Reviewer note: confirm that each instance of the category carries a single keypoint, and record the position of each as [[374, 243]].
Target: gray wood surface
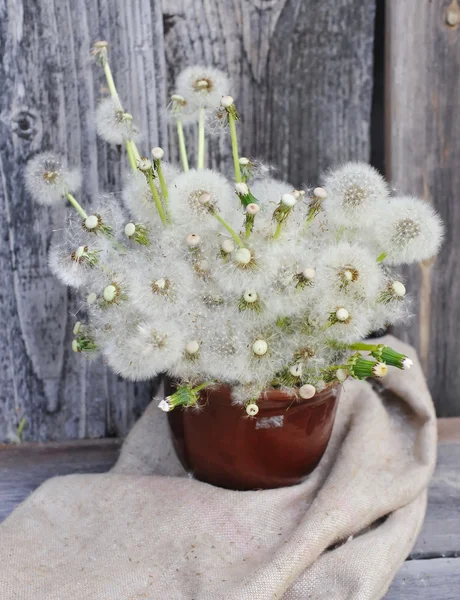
[[303, 82], [433, 573], [423, 157]]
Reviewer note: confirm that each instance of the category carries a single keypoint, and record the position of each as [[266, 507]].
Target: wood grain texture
[[49, 92], [423, 157], [301, 71], [303, 82], [437, 579]]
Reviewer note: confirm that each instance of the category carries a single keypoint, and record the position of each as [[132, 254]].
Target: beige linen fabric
[[146, 530]]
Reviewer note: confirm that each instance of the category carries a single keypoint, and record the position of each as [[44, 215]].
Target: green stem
[[76, 205], [382, 257], [182, 148], [131, 157], [231, 231], [278, 230], [111, 83], [164, 189], [200, 160], [234, 138], [247, 231], [364, 347], [157, 199], [200, 387]]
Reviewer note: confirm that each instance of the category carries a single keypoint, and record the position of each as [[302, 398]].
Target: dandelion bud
[[243, 161], [110, 293], [252, 409], [164, 405], [320, 193], [342, 375], [406, 363], [380, 370], [342, 314], [192, 347], [288, 200], [242, 188], [296, 370], [391, 357], [76, 328], [227, 101], [252, 209], [91, 298], [309, 273], [399, 289], [250, 296], [157, 153], [227, 246], [92, 222], [193, 240], [360, 367], [243, 256], [130, 229], [178, 98], [76, 346], [260, 347], [307, 391]]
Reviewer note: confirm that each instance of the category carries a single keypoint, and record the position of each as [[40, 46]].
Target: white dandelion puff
[[202, 86], [47, 179], [113, 124]]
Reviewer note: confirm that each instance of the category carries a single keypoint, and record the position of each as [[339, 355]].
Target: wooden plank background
[[423, 158], [302, 73]]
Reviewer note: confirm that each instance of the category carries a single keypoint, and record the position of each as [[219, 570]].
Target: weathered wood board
[[423, 158], [303, 81]]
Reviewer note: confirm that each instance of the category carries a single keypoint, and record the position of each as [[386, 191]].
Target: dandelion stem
[[182, 148], [234, 139], [382, 257], [156, 198], [131, 157], [76, 205], [164, 188], [278, 230], [200, 161], [200, 387], [231, 231], [364, 347], [247, 231], [111, 83]]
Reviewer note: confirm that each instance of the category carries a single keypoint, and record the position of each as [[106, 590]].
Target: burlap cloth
[[147, 530]]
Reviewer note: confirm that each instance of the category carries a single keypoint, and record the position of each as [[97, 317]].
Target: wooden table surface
[[431, 572]]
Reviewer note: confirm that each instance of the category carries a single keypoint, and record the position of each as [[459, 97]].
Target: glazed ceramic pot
[[279, 447]]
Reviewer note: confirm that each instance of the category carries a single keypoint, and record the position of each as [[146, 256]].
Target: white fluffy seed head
[[91, 298], [296, 370], [193, 240], [320, 193], [252, 409], [399, 289], [309, 273], [227, 246], [130, 229], [307, 391], [288, 200], [157, 153], [260, 347], [91, 222], [252, 209], [110, 293], [227, 101], [342, 375], [192, 347], [250, 296], [241, 188], [342, 314], [243, 256]]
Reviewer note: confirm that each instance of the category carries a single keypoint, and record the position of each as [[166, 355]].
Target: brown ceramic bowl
[[220, 445]]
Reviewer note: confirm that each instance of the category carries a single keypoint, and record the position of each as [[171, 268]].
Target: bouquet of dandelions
[[252, 283]]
